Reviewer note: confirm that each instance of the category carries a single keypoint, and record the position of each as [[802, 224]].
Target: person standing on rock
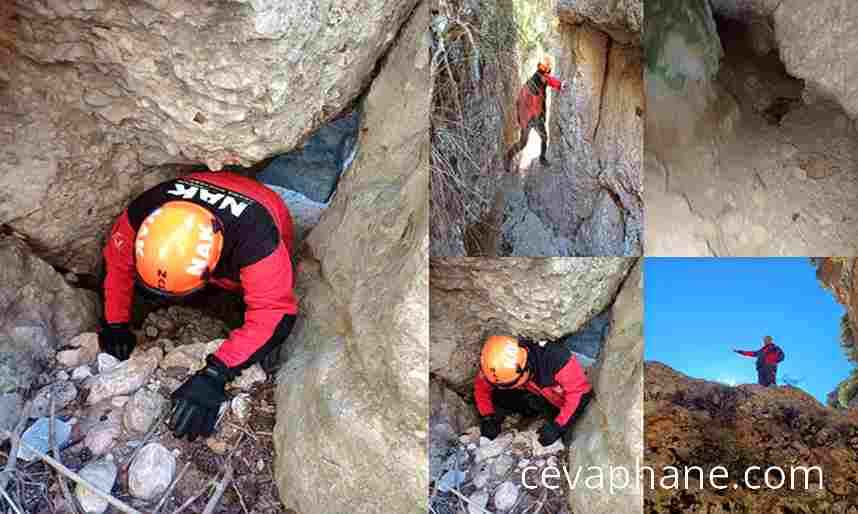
[[768, 357], [206, 228], [519, 376], [530, 107]]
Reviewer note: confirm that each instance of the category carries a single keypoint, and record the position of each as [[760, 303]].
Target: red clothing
[[258, 239], [768, 352], [570, 385], [531, 98]]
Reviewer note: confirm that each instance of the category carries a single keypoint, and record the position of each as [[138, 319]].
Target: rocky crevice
[[543, 300]]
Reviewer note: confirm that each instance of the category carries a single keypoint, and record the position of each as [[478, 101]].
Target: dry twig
[[12, 462], [170, 489], [52, 440], [75, 477], [221, 488]]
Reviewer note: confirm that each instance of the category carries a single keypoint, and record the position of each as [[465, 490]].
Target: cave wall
[[352, 396], [610, 433], [596, 131], [95, 93]]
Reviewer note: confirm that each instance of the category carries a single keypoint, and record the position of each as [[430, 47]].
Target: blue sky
[[697, 310]]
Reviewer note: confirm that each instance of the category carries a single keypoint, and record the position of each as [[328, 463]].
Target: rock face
[[595, 196], [840, 276], [611, 431], [621, 19], [743, 143], [39, 312], [707, 424], [828, 64], [95, 92], [537, 298], [353, 392]]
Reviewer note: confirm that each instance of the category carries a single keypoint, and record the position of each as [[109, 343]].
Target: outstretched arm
[[553, 82], [747, 353], [119, 280]]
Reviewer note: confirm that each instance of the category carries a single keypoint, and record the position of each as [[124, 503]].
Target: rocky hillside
[[691, 422], [543, 299]]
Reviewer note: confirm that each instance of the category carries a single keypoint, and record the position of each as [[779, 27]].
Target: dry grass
[[474, 75]]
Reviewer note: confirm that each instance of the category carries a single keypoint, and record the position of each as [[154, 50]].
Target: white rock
[[479, 500], [63, 392], [85, 351], [190, 356], [102, 437], [119, 401], [101, 474], [151, 472], [506, 495], [552, 461], [494, 448], [125, 378], [502, 465], [106, 362], [249, 378], [241, 406], [142, 410], [81, 373], [539, 450], [62, 375]]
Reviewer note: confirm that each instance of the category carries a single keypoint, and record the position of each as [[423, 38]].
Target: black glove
[[550, 433], [490, 426], [197, 402], [117, 340]]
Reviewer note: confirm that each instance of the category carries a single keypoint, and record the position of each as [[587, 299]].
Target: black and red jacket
[[769, 355], [532, 97], [555, 374], [257, 245]]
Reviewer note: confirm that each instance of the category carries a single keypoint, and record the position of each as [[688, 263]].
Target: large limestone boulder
[[611, 431], [353, 392], [538, 298], [93, 93], [39, 312]]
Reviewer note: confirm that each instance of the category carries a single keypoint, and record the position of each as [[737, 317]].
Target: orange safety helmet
[[177, 247], [545, 65], [504, 362]]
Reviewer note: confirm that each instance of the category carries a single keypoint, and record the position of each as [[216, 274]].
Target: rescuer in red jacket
[[174, 239], [768, 357], [530, 108], [519, 376]]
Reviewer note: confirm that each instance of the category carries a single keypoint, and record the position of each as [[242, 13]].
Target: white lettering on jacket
[[220, 200]]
